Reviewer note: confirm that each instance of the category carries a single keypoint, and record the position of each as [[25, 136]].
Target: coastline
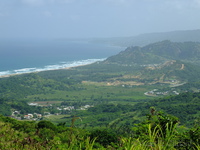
[[59, 66], [66, 68]]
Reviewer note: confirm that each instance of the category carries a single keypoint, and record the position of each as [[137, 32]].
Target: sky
[[95, 18]]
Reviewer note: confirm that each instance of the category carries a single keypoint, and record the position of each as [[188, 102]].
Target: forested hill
[[158, 53]]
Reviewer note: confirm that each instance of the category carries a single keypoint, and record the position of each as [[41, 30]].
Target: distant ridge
[[147, 38]]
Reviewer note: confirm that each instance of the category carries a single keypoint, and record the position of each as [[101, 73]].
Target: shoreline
[[66, 68], [59, 66]]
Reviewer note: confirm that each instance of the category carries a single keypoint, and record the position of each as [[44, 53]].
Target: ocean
[[29, 55]]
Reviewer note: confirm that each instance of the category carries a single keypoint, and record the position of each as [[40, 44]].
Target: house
[[26, 117], [29, 116], [33, 104]]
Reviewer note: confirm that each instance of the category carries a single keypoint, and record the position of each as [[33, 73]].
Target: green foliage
[[190, 139], [5, 109], [46, 124], [185, 106], [158, 131], [105, 137], [16, 87], [111, 108]]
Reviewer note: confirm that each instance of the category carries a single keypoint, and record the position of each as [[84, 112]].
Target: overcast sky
[[95, 18]]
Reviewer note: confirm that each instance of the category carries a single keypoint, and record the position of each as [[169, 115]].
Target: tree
[[46, 124], [104, 137]]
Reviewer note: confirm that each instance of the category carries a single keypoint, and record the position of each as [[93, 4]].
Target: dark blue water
[[22, 55]]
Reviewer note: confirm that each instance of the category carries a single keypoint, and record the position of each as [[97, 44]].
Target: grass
[[93, 92]]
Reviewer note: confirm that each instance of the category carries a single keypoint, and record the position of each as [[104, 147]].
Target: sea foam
[[61, 65]]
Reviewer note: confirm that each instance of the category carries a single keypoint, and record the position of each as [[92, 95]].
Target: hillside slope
[[158, 53]]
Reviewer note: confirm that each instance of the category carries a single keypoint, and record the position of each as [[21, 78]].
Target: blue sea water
[[30, 55]]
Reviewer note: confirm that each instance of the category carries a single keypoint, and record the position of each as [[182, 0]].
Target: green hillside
[[158, 53], [171, 71], [133, 56]]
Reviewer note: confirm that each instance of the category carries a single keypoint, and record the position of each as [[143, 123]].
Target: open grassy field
[[91, 92]]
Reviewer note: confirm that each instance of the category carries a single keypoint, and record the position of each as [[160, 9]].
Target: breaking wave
[[61, 65]]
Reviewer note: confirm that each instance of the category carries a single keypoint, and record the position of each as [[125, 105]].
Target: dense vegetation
[[184, 106], [157, 131]]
